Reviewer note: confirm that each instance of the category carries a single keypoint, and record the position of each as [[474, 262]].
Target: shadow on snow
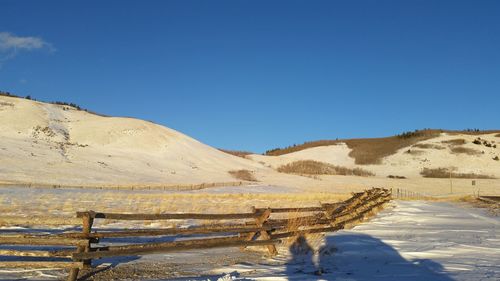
[[357, 257]]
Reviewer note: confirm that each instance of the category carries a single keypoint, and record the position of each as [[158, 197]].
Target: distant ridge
[[373, 150]]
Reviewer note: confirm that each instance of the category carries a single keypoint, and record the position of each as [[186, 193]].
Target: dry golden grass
[[310, 167], [245, 175], [465, 150], [497, 135], [445, 173], [454, 141], [66, 204]]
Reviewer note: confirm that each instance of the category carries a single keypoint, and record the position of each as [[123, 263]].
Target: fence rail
[[490, 199], [263, 227]]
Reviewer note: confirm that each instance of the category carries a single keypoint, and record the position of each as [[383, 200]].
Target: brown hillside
[[372, 150]]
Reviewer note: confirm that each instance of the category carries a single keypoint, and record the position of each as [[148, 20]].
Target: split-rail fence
[[265, 227]]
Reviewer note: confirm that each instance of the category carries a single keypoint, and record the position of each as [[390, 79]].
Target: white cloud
[[11, 45], [9, 41]]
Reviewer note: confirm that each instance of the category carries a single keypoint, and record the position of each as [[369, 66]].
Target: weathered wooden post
[[88, 221], [260, 221]]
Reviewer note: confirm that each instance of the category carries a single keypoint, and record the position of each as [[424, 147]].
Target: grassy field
[[65, 203]]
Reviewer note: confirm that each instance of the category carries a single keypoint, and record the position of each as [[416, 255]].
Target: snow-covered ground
[[411, 240], [415, 240]]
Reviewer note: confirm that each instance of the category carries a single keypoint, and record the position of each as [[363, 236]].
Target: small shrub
[[7, 94], [496, 158], [465, 150], [6, 104], [445, 173], [245, 175], [477, 141], [471, 130], [454, 141], [310, 167], [74, 105], [414, 152], [411, 134], [497, 135], [396, 177]]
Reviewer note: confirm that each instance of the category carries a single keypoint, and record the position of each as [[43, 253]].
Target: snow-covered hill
[[42, 143], [462, 153], [57, 144]]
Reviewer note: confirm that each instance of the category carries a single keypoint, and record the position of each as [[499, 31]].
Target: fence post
[[328, 210], [260, 221], [88, 221], [73, 273]]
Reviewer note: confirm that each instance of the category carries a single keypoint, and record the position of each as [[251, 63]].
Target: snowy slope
[[408, 161], [46, 143]]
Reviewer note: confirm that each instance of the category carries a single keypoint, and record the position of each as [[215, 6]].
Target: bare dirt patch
[[455, 142], [465, 150], [187, 266], [429, 146]]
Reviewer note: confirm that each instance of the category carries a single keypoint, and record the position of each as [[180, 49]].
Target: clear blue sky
[[255, 75]]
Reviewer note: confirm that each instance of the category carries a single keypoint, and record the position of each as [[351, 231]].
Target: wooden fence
[[491, 199], [265, 227], [401, 193]]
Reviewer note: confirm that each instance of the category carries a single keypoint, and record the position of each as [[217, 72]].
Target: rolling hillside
[[465, 154], [49, 144], [58, 144]]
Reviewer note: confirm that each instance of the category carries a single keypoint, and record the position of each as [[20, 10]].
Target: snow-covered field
[[415, 240], [410, 240]]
